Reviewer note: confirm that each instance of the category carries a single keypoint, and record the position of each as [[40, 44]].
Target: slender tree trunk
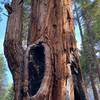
[[12, 47], [40, 72], [91, 56], [93, 87]]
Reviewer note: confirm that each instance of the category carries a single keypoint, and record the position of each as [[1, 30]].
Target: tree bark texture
[[51, 44], [12, 47]]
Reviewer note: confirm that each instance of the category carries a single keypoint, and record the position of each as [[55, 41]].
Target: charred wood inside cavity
[[36, 68], [76, 74], [68, 16]]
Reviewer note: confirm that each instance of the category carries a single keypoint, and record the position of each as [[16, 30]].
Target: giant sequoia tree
[[42, 71]]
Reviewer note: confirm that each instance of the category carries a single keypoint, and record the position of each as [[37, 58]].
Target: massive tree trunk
[[41, 72]]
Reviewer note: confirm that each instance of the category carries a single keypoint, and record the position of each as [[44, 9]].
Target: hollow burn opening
[[68, 15], [36, 68], [76, 74]]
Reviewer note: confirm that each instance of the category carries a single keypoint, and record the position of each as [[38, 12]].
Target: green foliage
[[95, 14], [28, 2], [93, 11], [5, 93], [8, 94], [1, 66], [84, 66], [1, 75]]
